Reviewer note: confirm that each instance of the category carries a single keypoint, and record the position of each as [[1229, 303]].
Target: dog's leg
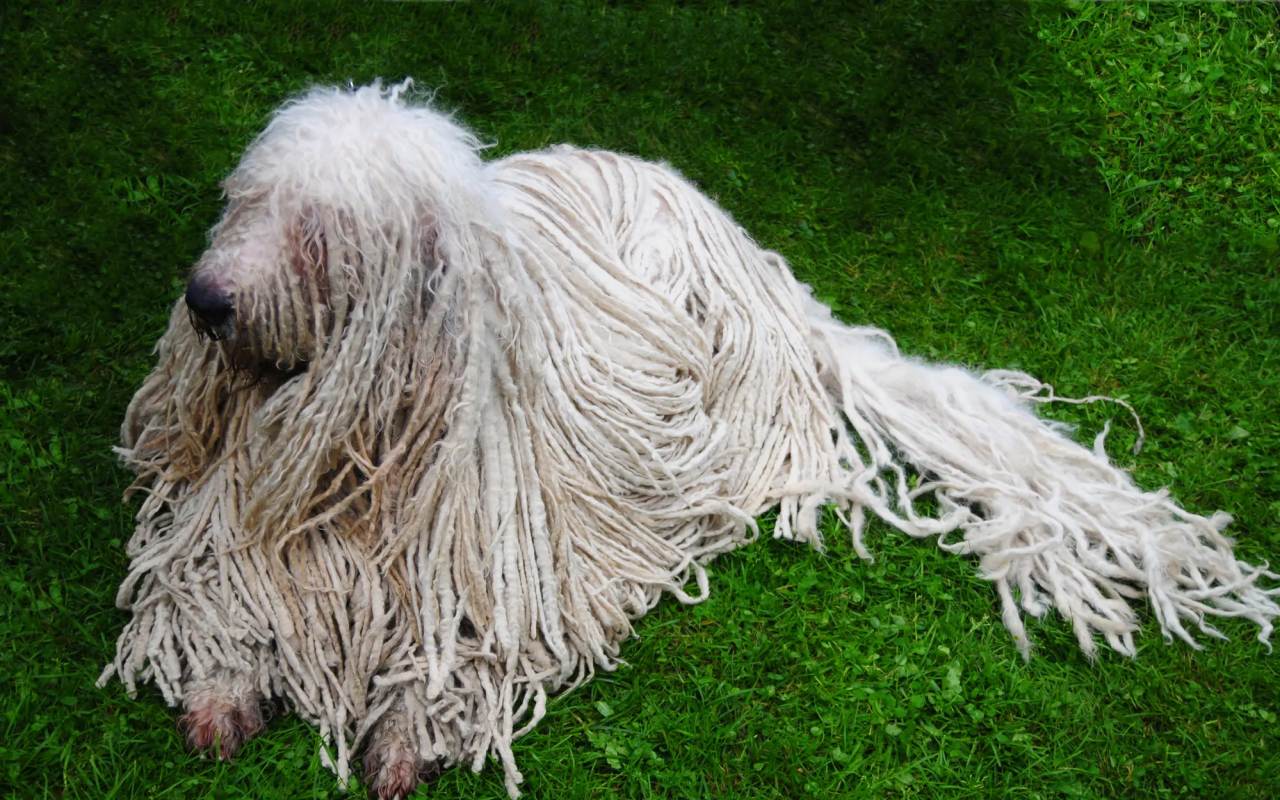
[[392, 766], [222, 713]]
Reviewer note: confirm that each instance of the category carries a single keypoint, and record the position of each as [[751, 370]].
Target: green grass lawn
[[1086, 192]]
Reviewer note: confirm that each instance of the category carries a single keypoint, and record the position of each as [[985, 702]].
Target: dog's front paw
[[221, 716], [392, 769]]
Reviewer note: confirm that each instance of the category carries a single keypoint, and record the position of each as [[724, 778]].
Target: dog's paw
[[392, 770], [218, 722]]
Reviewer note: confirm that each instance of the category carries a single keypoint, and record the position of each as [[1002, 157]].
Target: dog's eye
[[307, 250]]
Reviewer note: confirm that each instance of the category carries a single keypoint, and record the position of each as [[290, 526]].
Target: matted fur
[[540, 393]]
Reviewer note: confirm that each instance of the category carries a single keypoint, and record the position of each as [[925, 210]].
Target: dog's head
[[346, 206]]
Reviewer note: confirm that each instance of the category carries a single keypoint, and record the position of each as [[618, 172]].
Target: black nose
[[210, 305]]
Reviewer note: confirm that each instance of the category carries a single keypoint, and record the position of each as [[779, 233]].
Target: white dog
[[427, 433]]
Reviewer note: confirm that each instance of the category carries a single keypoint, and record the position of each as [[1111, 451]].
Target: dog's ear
[[429, 251]]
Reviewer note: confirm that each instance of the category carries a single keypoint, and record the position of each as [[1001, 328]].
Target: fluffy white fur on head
[[364, 150], [538, 395], [346, 196]]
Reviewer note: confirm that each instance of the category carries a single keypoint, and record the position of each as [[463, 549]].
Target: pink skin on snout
[[234, 266]]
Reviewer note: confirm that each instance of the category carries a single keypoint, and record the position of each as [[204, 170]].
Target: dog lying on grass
[[426, 434]]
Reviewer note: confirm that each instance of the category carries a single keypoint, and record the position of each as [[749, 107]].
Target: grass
[[1088, 192]]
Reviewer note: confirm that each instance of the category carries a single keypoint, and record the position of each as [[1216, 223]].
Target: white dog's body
[[505, 407]]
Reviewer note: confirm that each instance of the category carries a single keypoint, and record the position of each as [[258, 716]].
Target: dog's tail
[[1054, 524]]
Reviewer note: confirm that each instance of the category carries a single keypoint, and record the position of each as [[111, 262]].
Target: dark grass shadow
[[835, 121]]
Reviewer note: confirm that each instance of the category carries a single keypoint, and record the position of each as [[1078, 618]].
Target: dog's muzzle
[[210, 308]]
